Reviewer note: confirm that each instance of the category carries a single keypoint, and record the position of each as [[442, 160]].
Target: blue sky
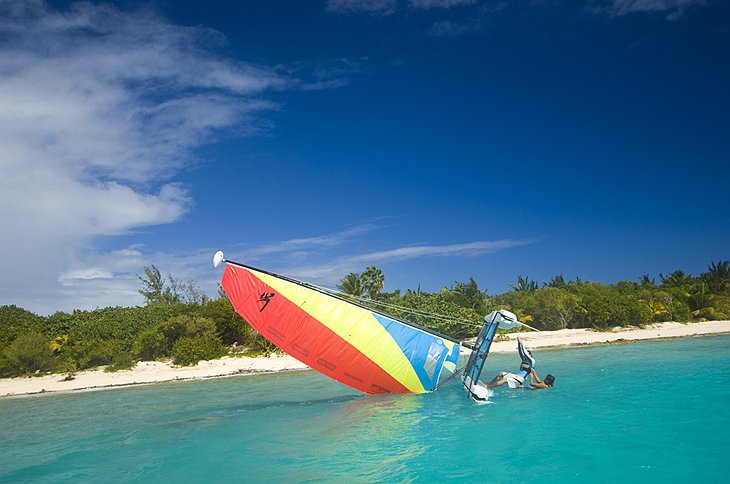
[[435, 139]]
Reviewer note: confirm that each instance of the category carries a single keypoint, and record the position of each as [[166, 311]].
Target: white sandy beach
[[154, 371]]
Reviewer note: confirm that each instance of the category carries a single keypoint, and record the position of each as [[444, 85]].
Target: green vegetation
[[369, 283], [178, 322], [559, 304]]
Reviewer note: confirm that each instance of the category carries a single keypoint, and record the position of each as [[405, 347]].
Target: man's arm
[[527, 359], [535, 381]]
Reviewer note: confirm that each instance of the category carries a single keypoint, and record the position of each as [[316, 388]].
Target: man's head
[[549, 380]]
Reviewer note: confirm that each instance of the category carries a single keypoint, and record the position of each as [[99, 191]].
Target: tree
[[189, 292], [523, 284], [15, 321], [160, 341], [372, 281], [154, 290], [221, 292], [420, 309], [229, 325], [646, 281], [468, 295], [717, 276], [553, 308], [556, 281], [189, 350], [29, 353], [351, 284], [676, 279]]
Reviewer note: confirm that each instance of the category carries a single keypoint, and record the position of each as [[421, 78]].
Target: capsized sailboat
[[349, 342], [355, 345]]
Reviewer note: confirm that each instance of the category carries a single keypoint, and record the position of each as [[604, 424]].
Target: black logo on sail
[[266, 299]]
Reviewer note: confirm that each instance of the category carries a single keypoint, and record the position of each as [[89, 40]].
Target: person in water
[[511, 379], [526, 369], [535, 381]]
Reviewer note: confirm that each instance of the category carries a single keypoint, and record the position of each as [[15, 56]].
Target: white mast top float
[[218, 258]]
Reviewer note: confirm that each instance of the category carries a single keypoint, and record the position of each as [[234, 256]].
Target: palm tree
[[646, 281], [351, 284], [556, 281], [372, 281], [676, 279], [523, 284], [468, 295], [719, 269], [58, 344], [717, 275]]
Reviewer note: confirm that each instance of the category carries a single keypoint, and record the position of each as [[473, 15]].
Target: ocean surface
[[640, 412]]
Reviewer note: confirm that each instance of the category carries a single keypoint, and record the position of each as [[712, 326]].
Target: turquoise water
[[637, 412]]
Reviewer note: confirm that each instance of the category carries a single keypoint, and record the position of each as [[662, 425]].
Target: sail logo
[[266, 299]]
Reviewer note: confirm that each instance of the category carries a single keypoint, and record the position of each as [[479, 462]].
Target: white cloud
[[447, 28], [429, 4], [376, 7], [673, 8], [100, 108], [611, 8], [302, 246], [388, 7], [331, 272], [100, 279]]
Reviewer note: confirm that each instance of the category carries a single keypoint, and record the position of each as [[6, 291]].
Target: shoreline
[[570, 338], [149, 372]]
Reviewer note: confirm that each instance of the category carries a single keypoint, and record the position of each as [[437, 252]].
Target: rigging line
[[416, 312], [448, 378], [442, 317], [393, 306]]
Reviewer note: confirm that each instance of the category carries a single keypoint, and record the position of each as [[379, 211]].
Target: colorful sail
[[349, 343]]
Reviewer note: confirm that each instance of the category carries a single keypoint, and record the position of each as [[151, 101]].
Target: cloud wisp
[[674, 9], [370, 7], [307, 244], [331, 272], [482, 10], [389, 7]]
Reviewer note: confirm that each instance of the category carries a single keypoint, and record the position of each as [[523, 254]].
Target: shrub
[[160, 341], [152, 344], [121, 360], [709, 314], [553, 308], [229, 325], [29, 353], [189, 350], [93, 353], [15, 321], [122, 324]]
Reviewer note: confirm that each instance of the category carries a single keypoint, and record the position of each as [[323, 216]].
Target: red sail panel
[[302, 336]]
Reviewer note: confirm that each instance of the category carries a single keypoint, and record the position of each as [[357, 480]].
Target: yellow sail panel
[[356, 325]]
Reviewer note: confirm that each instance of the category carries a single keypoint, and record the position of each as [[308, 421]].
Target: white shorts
[[514, 381]]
